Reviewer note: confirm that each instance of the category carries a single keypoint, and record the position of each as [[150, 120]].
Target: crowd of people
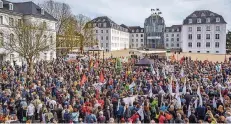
[[116, 90]]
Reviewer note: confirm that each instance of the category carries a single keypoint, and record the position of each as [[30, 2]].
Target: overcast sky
[[134, 12]]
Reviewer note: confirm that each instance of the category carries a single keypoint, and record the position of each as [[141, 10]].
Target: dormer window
[[167, 30], [103, 20], [11, 7], [217, 19], [208, 20], [178, 29], [42, 11], [190, 21], [132, 30], [202, 15], [211, 14], [1, 4], [142, 30], [198, 20], [194, 15], [137, 30], [172, 30]]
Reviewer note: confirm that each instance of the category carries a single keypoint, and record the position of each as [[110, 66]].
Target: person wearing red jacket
[[161, 118]]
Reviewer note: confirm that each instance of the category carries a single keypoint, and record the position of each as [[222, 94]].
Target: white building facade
[[204, 32], [172, 37], [111, 36], [12, 14], [136, 37]]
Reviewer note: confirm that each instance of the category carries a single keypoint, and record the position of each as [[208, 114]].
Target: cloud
[[134, 12]]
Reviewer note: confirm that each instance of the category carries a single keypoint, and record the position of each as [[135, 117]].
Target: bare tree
[[60, 11], [28, 40], [85, 28]]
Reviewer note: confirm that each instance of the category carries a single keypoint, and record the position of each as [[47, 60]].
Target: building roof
[[25, 8], [203, 15], [154, 19], [173, 28], [105, 22], [136, 29]]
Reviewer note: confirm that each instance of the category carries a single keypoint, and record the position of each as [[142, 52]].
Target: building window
[[190, 36], [1, 4], [217, 19], [101, 44], [198, 44], [207, 44], [132, 45], [104, 25], [190, 21], [172, 39], [172, 45], [106, 44], [166, 44], [190, 44], [11, 7], [178, 35], [172, 35], [190, 29], [207, 51], [167, 30], [132, 40], [198, 20], [217, 36], [217, 45], [207, 36], [45, 56], [136, 40], [141, 35], [198, 36], [172, 30], [207, 28], [198, 28], [217, 51], [106, 31], [132, 30], [101, 31], [178, 39], [189, 51], [11, 38], [106, 37], [136, 45], [136, 35], [217, 28], [11, 21], [141, 40], [208, 20], [198, 51], [178, 45], [101, 37], [132, 35], [166, 35], [1, 40], [167, 39], [1, 20], [96, 31], [142, 30]]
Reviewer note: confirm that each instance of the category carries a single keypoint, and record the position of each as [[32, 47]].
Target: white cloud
[[134, 12]]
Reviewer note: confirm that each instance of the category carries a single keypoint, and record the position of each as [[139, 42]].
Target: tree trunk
[[30, 66]]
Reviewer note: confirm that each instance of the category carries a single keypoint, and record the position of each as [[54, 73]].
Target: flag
[[84, 79], [118, 106], [189, 110], [96, 65], [184, 88], [221, 98], [199, 94], [195, 103], [182, 72], [177, 88], [141, 113], [170, 85], [132, 85], [152, 70], [150, 92], [218, 68], [214, 103], [101, 77]]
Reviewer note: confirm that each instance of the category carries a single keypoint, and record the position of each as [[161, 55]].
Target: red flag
[[101, 78], [96, 65], [84, 79]]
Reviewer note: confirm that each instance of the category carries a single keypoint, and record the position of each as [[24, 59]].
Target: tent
[[144, 62]]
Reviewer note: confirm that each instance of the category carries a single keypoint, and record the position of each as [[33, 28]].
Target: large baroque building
[[204, 32], [11, 14], [154, 27], [172, 37], [110, 35], [136, 37]]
